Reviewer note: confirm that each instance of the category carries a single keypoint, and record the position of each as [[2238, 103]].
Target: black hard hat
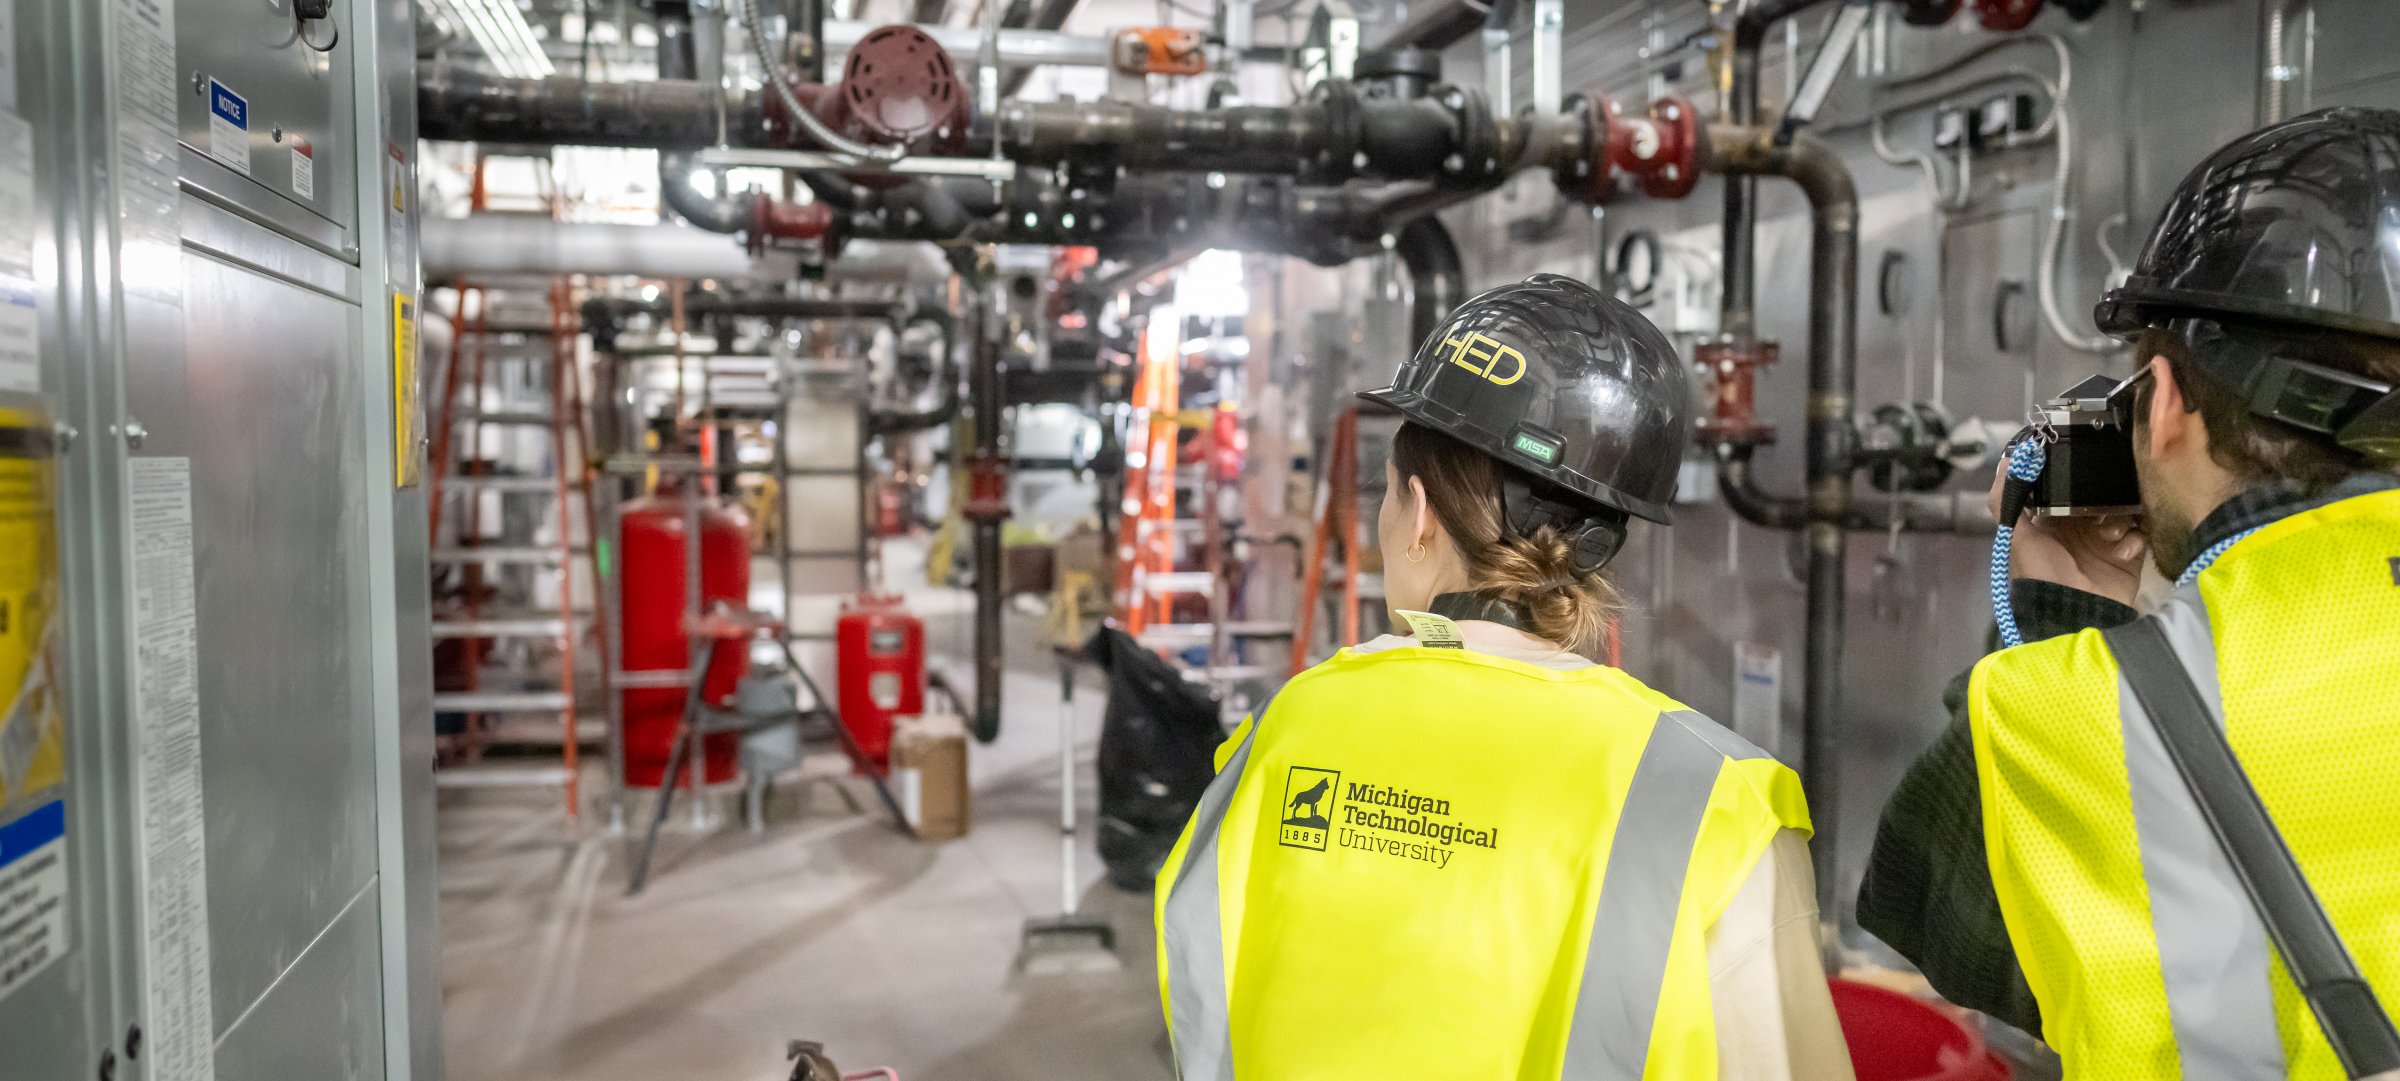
[[2288, 235], [1563, 383]]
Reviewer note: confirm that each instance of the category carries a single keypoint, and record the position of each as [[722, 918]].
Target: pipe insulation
[[490, 245]]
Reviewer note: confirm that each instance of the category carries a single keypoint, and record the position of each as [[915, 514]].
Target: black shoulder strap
[[2353, 1021]]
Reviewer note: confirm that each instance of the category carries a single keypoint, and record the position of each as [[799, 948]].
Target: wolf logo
[[1309, 799]]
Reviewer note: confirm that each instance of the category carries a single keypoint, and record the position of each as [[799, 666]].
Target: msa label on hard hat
[[1540, 448], [1482, 354], [1309, 797]]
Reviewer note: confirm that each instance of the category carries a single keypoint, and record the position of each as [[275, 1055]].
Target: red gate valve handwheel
[[2003, 16]]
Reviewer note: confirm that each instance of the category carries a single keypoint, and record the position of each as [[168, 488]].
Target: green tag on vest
[[1436, 632]]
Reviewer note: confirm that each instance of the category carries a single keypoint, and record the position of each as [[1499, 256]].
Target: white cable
[[2046, 284]]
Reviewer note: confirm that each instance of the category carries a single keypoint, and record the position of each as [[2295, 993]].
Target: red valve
[[987, 489], [774, 219], [2003, 16], [1733, 416], [1660, 149]]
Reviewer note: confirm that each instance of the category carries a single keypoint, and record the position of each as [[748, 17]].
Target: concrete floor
[[831, 926]]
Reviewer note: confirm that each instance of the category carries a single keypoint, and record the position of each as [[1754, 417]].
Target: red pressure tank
[[651, 552], [879, 671]]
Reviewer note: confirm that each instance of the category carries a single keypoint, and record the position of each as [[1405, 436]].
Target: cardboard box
[[929, 775]]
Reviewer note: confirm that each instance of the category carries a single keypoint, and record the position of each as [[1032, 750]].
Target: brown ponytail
[[1534, 573]]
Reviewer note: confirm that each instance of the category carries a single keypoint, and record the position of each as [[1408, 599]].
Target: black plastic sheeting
[[1158, 743]]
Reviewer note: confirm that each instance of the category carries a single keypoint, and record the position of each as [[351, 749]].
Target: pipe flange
[[1674, 170], [1345, 135], [1929, 12], [1588, 176], [1477, 157], [2006, 16], [1397, 74]]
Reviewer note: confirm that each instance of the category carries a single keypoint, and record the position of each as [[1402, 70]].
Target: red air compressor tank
[[879, 671], [651, 552]]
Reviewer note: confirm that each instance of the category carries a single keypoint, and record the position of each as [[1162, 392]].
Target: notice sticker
[[228, 127], [304, 169], [33, 894]]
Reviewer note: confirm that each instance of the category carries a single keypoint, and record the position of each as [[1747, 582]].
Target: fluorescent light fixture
[[500, 29]]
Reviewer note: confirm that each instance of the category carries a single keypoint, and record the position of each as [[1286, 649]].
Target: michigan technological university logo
[[1310, 797]]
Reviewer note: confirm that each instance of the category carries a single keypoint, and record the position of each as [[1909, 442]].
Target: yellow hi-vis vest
[[1411, 864], [2141, 946]]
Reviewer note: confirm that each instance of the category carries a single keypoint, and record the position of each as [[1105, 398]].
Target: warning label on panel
[[33, 894], [304, 168], [228, 127], [32, 728]]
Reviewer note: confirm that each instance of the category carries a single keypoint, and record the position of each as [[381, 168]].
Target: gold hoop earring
[[1416, 552]]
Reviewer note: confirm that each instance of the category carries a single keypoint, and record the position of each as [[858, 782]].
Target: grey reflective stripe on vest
[[1198, 1011], [1641, 894], [2212, 949]]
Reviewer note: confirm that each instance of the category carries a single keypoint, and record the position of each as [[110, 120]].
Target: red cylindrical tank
[[879, 671], [651, 552]]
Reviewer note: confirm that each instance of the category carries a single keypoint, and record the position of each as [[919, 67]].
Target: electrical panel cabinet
[[268, 97]]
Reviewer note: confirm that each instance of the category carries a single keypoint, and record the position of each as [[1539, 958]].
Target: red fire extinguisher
[[652, 550], [879, 671]]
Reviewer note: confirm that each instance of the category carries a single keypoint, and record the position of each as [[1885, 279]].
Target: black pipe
[[1832, 379], [1918, 512], [457, 105], [985, 384], [1356, 137], [807, 30], [1436, 26], [1436, 281], [721, 213], [945, 377]]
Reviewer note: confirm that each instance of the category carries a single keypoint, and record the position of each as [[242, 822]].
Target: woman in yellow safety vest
[[1474, 853]]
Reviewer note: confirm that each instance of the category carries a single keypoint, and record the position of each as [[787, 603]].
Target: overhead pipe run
[[489, 245]]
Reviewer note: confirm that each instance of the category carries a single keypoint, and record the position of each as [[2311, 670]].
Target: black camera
[[2087, 464]]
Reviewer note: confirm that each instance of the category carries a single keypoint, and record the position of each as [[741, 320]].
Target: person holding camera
[[2079, 854]]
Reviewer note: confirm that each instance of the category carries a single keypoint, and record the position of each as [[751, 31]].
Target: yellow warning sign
[[408, 411], [33, 754]]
